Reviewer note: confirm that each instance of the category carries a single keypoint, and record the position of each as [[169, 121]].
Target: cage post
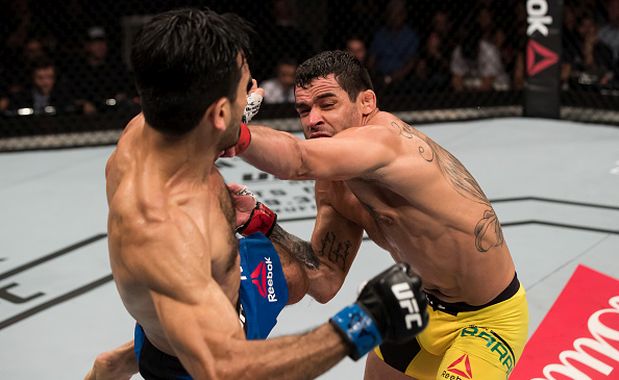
[[543, 57]]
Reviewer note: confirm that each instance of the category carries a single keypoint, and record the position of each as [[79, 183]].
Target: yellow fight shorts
[[464, 341]]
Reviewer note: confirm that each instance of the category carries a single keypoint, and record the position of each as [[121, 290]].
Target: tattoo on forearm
[[335, 251], [300, 250], [487, 231]]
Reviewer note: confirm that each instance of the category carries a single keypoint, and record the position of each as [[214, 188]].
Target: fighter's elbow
[[298, 285], [324, 294], [323, 298], [232, 369]]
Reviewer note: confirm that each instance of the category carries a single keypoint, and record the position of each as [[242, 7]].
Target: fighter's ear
[[368, 101], [219, 114]]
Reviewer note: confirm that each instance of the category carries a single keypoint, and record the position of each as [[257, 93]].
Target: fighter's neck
[[185, 156], [367, 119]]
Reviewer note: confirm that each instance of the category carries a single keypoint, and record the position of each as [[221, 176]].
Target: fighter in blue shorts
[[262, 296], [263, 293]]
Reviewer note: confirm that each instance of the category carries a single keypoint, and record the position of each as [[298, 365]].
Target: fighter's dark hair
[[348, 71], [183, 61]]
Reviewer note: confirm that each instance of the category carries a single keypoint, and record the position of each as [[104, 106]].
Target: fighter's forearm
[[297, 260], [274, 152], [306, 273], [304, 356], [299, 249]]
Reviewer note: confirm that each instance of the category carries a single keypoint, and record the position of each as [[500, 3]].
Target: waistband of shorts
[[457, 307]]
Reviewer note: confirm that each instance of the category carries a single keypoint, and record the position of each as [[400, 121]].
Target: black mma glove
[[391, 307]]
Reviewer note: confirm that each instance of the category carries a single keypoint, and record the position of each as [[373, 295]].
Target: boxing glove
[[254, 100], [390, 307], [261, 219], [251, 215], [242, 144]]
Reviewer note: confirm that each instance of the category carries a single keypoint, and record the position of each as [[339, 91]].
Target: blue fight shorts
[[262, 296]]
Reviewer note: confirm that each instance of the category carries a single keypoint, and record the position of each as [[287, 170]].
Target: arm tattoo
[[487, 231], [301, 250], [335, 251]]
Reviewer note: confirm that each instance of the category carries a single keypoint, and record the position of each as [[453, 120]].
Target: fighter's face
[[231, 135], [325, 108]]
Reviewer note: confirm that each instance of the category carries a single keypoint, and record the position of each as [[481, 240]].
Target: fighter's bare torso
[[427, 210], [139, 199]]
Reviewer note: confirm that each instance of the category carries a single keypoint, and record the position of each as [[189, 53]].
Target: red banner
[[579, 337]]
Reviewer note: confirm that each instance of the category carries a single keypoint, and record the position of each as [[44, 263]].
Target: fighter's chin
[[227, 145]]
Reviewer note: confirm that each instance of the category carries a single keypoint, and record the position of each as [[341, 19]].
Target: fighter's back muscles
[[172, 261]]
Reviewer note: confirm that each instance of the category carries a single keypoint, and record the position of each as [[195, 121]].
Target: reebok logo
[[461, 367], [262, 277], [539, 58], [538, 18]]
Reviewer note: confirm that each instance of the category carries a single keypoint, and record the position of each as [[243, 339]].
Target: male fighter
[[375, 173], [171, 224]]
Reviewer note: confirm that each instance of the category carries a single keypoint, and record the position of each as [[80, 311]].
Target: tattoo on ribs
[[335, 251], [487, 231], [300, 250]]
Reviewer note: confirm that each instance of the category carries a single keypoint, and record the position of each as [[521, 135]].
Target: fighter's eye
[[302, 111], [249, 84]]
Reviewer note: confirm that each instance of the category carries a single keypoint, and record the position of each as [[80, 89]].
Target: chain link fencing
[[65, 76]]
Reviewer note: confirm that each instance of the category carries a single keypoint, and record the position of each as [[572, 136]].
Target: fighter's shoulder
[[137, 120], [119, 157], [381, 128]]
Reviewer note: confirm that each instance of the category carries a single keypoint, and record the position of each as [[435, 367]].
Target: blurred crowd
[[68, 57]]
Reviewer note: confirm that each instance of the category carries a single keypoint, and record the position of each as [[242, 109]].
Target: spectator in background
[[476, 64], [485, 22], [569, 44], [100, 81], [282, 31], [21, 61], [280, 89], [394, 47], [609, 33], [432, 71], [591, 66], [441, 24], [44, 95], [15, 23], [511, 57], [356, 46], [4, 99]]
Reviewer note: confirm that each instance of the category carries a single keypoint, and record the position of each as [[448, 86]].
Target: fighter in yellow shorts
[[376, 174], [464, 341]]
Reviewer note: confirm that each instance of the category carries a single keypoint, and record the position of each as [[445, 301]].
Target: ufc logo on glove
[[404, 294]]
